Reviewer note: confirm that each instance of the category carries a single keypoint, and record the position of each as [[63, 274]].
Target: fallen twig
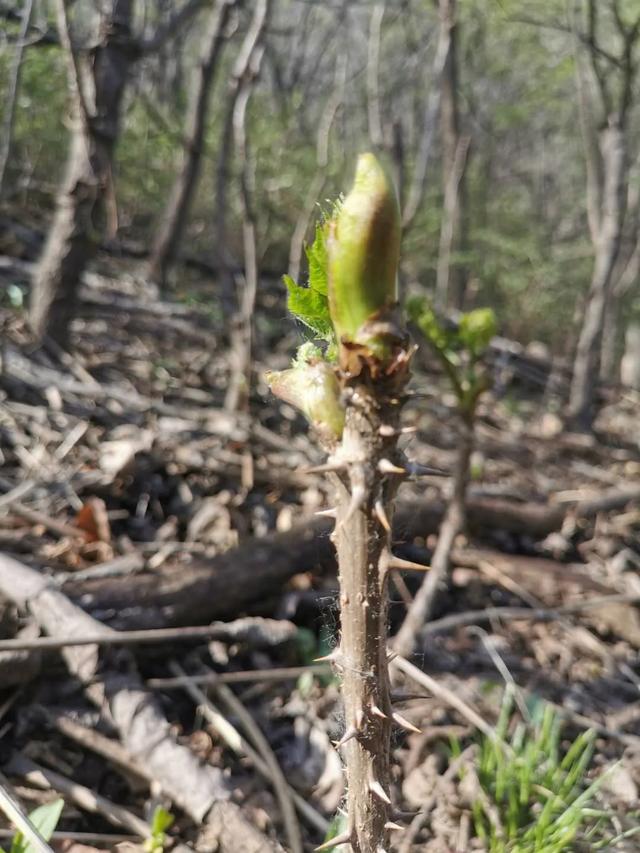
[[261, 744], [144, 730], [83, 797], [240, 746], [226, 632], [282, 673], [400, 664]]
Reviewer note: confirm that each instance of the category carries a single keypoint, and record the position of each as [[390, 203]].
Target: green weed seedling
[[161, 821], [535, 795], [460, 350], [45, 819]]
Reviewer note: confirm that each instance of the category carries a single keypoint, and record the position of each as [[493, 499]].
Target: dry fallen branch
[[83, 797], [119, 692], [257, 632], [230, 582]]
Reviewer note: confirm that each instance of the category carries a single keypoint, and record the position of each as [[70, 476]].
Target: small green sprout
[[45, 819], [161, 821], [460, 349], [535, 797]]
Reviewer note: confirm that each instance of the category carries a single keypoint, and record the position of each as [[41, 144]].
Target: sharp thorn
[[350, 733], [336, 841], [382, 515], [378, 791], [378, 712], [404, 723], [399, 563], [415, 469], [391, 825], [359, 719], [332, 656], [327, 513], [385, 466], [357, 499]]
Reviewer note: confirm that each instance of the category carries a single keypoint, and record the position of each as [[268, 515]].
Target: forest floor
[[139, 501]]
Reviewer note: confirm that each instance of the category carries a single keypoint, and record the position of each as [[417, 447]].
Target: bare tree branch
[[373, 70], [167, 31], [12, 92]]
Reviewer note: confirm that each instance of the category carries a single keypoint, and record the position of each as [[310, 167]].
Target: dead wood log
[[112, 682], [229, 583]]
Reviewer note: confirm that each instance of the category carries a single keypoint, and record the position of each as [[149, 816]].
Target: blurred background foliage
[[528, 253]]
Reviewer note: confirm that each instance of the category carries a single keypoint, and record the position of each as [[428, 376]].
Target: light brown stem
[[363, 547], [438, 578]]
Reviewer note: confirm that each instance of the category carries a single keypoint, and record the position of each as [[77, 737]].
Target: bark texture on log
[[231, 582]]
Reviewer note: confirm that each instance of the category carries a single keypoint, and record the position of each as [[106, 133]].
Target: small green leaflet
[[318, 262], [45, 819], [310, 304], [310, 307]]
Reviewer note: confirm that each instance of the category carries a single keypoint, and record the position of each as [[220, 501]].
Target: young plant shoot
[[351, 389]]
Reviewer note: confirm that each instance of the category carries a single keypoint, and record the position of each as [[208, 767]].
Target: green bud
[[363, 247], [313, 388]]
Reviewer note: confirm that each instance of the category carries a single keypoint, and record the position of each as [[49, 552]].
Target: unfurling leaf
[[310, 307]]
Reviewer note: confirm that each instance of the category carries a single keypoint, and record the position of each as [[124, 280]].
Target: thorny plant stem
[[364, 506]]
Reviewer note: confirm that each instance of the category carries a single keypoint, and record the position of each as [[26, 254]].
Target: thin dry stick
[[263, 746], [21, 822], [475, 617], [106, 747], [122, 638], [402, 665], [240, 745], [423, 604], [107, 838], [83, 797], [284, 673]]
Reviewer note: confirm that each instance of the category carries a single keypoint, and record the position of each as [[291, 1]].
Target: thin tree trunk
[[373, 70], [174, 218], [223, 169], [586, 365], [322, 160], [80, 218], [436, 581], [416, 189], [450, 237], [13, 87], [237, 395], [452, 278]]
